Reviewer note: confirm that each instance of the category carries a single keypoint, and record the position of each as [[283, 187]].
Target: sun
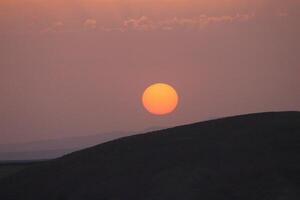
[[160, 99]]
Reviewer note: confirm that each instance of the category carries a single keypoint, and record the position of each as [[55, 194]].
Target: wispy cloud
[[90, 24], [146, 24], [54, 27]]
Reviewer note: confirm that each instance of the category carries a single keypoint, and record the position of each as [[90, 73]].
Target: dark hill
[[250, 157]]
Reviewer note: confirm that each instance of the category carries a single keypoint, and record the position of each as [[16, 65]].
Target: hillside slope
[[248, 157]]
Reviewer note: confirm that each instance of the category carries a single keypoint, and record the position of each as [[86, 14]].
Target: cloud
[[90, 24], [141, 24], [145, 24], [54, 27]]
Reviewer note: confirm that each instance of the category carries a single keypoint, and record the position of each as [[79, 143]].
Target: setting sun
[[160, 99]]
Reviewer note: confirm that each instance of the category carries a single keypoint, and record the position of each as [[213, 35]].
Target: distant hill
[[48, 149], [249, 157]]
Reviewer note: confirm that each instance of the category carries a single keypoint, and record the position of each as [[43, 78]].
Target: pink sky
[[70, 68]]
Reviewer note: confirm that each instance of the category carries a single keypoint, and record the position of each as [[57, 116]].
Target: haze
[[74, 68]]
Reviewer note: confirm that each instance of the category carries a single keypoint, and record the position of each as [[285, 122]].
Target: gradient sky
[[79, 67]]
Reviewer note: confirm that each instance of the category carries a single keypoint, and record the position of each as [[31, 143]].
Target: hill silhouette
[[54, 148], [247, 157]]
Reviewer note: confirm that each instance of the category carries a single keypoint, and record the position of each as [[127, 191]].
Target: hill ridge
[[253, 156]]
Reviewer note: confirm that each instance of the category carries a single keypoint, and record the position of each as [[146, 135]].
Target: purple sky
[[70, 68]]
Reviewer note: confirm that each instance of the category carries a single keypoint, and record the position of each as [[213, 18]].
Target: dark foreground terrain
[[11, 167], [250, 157]]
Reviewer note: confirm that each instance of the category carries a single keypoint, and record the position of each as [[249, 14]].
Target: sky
[[79, 67]]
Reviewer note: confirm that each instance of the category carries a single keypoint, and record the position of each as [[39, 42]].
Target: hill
[[245, 157], [11, 167], [49, 149]]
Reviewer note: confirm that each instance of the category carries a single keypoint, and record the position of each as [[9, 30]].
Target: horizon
[[148, 130]]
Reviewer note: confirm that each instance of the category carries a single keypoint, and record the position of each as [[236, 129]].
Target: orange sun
[[160, 99]]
